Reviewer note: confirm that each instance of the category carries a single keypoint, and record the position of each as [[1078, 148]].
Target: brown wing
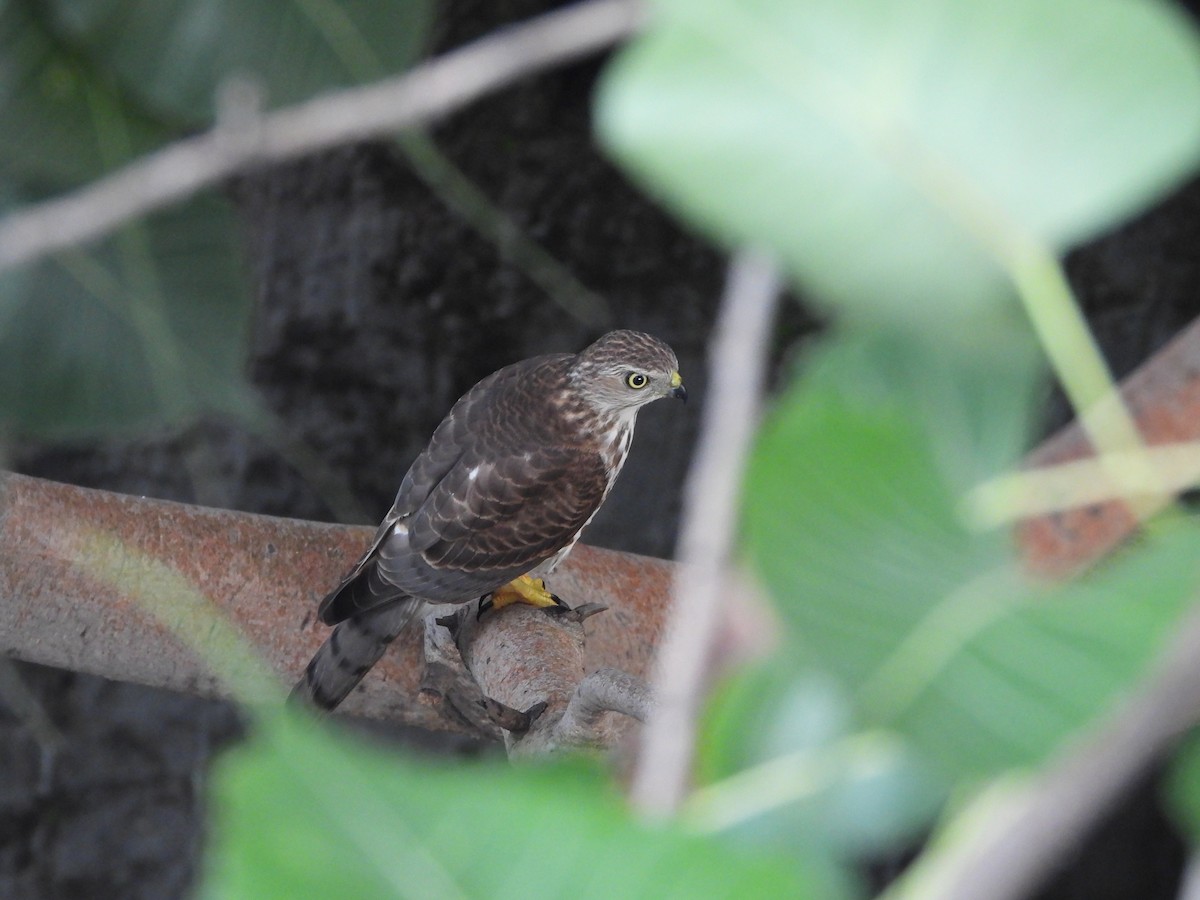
[[510, 513], [497, 491], [474, 534], [499, 416], [360, 588]]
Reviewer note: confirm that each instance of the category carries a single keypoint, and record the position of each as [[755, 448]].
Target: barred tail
[[354, 646]]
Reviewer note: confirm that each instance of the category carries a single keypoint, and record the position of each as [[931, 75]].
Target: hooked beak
[[678, 391]]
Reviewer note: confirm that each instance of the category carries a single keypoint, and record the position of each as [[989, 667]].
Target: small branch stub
[[519, 672], [446, 682]]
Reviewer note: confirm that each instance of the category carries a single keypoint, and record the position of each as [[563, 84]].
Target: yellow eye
[[636, 380]]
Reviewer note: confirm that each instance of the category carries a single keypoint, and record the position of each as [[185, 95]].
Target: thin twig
[[737, 366], [423, 94]]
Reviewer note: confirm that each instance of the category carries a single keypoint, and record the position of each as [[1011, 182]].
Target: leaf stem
[[1076, 359]]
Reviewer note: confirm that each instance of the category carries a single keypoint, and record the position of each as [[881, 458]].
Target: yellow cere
[[676, 379]]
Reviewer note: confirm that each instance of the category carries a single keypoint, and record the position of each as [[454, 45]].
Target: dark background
[[376, 308]]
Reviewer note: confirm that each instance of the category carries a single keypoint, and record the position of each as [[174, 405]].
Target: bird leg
[[531, 591]]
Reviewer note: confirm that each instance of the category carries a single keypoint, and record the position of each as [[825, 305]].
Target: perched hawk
[[498, 498]]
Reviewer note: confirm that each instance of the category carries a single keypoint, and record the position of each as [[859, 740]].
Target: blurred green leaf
[[852, 519], [1025, 673], [898, 155], [782, 767], [56, 112], [299, 812], [765, 710], [148, 327], [1183, 788], [847, 496], [174, 54]]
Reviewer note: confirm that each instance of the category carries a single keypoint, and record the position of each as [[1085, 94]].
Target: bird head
[[625, 370]]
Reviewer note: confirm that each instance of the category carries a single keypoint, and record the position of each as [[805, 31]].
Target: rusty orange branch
[[265, 574]]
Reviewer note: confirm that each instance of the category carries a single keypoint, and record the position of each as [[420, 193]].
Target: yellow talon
[[524, 590]]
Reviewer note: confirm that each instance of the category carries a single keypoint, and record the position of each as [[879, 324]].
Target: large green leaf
[[1025, 668], [899, 154], [61, 122], [301, 814], [853, 520], [175, 53], [149, 327]]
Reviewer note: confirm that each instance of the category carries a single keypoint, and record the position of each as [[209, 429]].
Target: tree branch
[[603, 691], [530, 659], [421, 95], [265, 575]]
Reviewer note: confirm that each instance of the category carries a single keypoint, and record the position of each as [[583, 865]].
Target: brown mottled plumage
[[512, 475]]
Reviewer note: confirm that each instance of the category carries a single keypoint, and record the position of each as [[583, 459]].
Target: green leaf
[[899, 156], [1183, 788], [852, 519], [767, 710], [1038, 664], [299, 813], [784, 768], [847, 496], [61, 122], [174, 54], [145, 329]]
